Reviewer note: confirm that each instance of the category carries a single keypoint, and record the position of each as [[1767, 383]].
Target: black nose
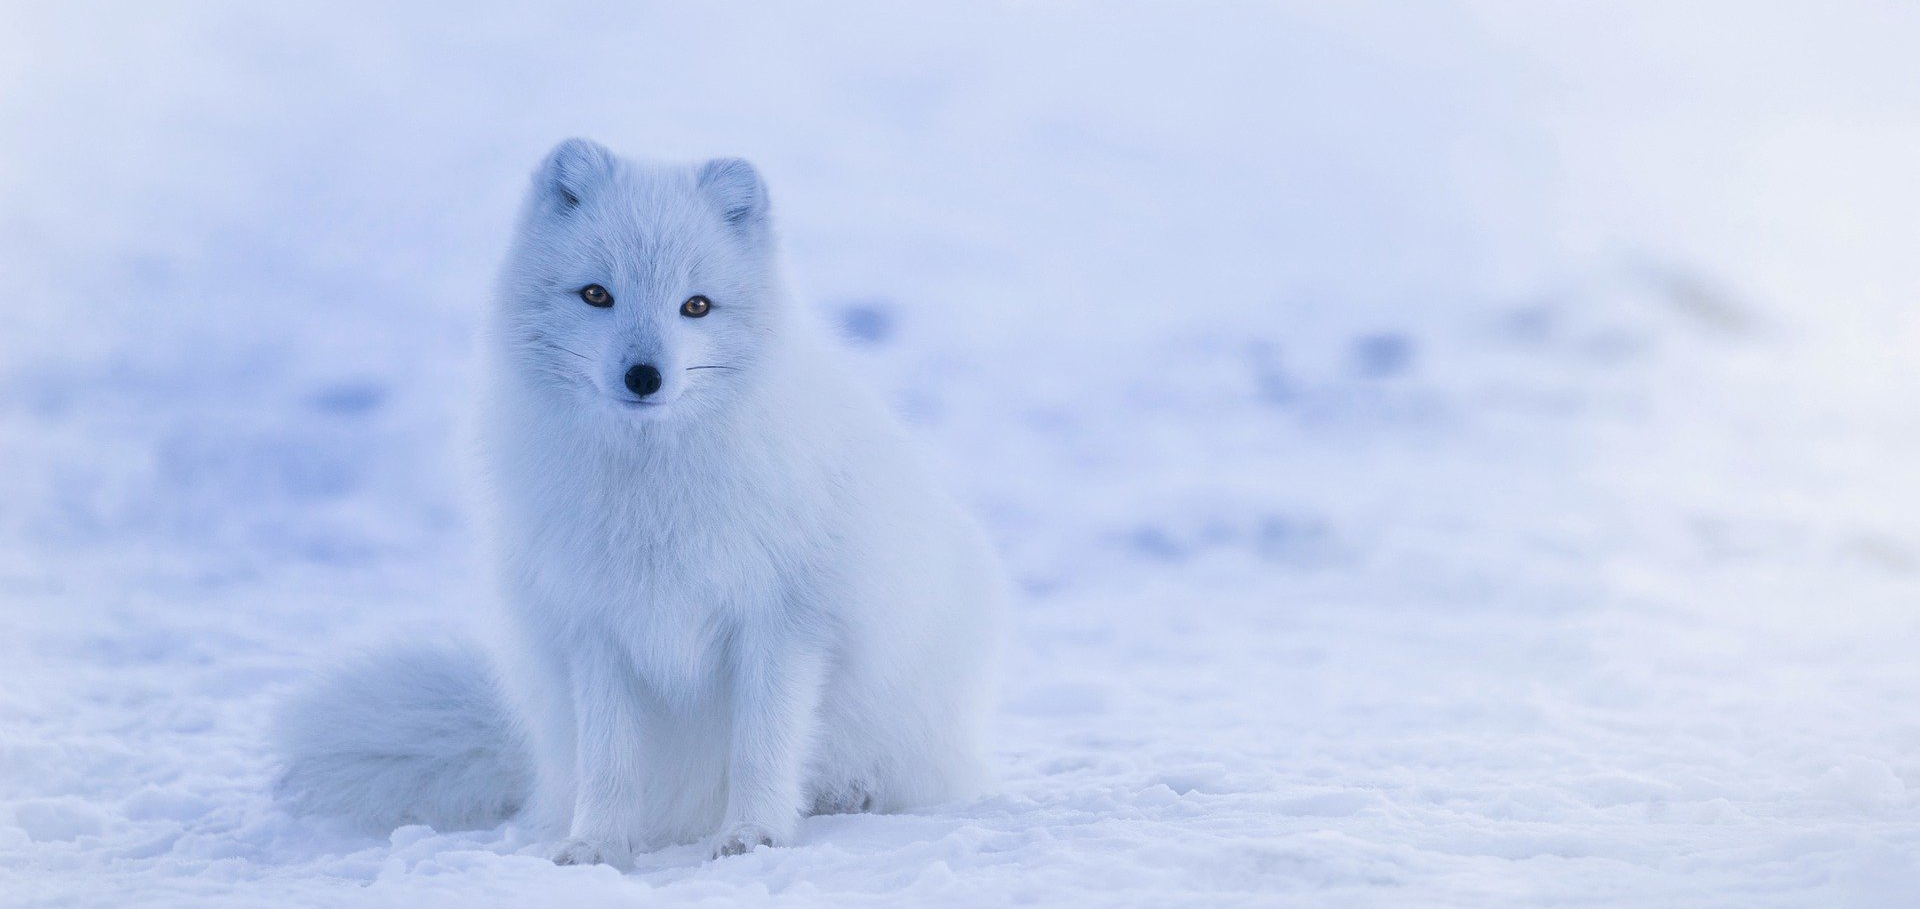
[[643, 380]]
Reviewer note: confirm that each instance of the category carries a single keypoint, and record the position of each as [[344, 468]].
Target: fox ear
[[737, 189], [572, 171]]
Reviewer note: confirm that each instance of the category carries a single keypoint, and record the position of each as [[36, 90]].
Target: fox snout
[[643, 379]]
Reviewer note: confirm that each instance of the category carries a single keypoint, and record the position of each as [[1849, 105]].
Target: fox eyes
[[695, 307]]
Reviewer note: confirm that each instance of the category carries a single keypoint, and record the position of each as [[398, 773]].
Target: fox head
[[646, 289]]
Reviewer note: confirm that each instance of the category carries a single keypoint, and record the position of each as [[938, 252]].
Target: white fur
[[407, 735], [739, 602]]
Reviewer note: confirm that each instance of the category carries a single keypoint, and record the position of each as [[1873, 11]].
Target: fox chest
[[669, 583]]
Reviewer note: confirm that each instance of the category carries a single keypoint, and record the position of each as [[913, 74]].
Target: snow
[[1453, 455]]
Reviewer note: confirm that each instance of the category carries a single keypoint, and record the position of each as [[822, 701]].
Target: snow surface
[[1452, 454]]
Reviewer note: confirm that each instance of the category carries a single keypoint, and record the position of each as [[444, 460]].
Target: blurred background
[[1461, 451]]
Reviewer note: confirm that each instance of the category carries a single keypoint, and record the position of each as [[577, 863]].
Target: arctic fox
[[733, 596]]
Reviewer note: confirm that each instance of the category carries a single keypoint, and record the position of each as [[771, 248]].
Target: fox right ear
[[736, 187], [572, 171]]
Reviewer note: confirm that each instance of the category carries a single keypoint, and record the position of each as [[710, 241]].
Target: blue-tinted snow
[[1453, 454]]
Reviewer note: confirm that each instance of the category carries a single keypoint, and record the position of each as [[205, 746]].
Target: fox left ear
[[737, 189], [573, 171]]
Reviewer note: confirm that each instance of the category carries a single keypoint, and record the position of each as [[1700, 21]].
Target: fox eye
[[595, 295], [696, 306]]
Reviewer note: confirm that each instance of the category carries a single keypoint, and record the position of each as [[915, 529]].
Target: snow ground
[[1460, 456]]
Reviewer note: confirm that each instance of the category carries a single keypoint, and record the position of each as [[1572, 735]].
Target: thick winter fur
[[733, 602], [408, 735]]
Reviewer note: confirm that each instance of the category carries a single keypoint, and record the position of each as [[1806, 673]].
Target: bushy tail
[[410, 735]]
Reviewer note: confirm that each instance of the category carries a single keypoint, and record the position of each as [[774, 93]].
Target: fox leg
[[776, 700], [608, 725]]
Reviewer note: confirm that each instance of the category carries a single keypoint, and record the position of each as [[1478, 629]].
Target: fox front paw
[[586, 852], [741, 839]]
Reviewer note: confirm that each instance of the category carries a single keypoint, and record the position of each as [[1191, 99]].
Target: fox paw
[[743, 838], [586, 852], [849, 799]]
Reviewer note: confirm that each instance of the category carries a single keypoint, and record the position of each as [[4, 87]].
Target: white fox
[[733, 595]]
